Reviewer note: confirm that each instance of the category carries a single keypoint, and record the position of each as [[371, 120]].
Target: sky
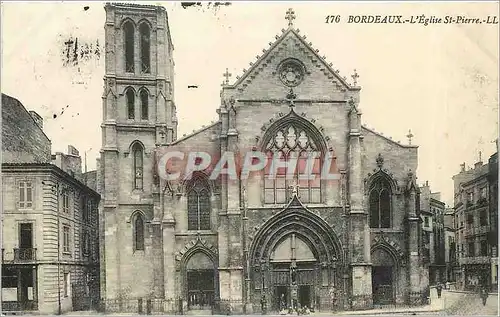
[[439, 80]]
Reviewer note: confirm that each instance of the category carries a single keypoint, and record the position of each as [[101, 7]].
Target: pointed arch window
[[128, 32], [130, 96], [198, 200], [380, 204], [138, 154], [138, 232], [293, 145], [145, 48], [144, 104]]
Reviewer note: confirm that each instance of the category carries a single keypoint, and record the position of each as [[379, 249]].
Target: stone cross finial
[[227, 74], [355, 77], [409, 136], [290, 16], [480, 156]]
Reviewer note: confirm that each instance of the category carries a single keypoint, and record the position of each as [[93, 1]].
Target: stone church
[[257, 244]]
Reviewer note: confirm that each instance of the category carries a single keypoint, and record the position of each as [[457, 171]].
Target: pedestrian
[[439, 289], [484, 295]]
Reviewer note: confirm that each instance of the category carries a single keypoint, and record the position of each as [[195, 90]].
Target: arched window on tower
[[145, 48], [144, 104], [138, 165], [293, 145], [138, 232], [198, 204], [130, 103], [128, 32], [380, 203]]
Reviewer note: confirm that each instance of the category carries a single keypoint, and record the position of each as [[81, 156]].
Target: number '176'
[[332, 19]]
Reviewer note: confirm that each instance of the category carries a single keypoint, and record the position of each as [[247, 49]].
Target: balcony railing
[[24, 254]]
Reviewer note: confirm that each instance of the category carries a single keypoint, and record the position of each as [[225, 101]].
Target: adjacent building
[[450, 254], [261, 243], [50, 246], [493, 217], [473, 223], [432, 211]]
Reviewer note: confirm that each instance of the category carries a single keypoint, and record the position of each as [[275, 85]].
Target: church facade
[[261, 243]]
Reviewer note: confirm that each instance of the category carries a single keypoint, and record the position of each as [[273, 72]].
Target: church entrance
[[296, 262], [293, 270], [383, 272], [200, 281]]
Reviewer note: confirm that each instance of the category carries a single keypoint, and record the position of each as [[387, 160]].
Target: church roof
[[195, 132], [318, 60], [388, 138]]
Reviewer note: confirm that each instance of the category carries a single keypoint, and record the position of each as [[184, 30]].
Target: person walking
[[439, 289], [484, 295]]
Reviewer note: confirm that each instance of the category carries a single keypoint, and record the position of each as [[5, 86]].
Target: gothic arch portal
[[309, 273], [197, 266], [386, 270]]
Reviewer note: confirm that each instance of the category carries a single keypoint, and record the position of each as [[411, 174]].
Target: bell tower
[[138, 114]]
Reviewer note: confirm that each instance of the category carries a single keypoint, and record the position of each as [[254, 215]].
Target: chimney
[[37, 118], [427, 183]]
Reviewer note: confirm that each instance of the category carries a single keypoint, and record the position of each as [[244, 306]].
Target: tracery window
[[292, 145], [128, 32], [145, 48], [198, 200], [380, 204], [138, 166]]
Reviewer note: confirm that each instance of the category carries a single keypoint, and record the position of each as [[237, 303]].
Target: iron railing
[[24, 254], [19, 306]]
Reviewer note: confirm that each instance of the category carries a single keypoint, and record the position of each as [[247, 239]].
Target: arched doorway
[[200, 282], [384, 272], [296, 260], [293, 271]]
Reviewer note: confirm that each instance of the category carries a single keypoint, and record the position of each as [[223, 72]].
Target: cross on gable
[[409, 136], [227, 74], [355, 77], [290, 16]]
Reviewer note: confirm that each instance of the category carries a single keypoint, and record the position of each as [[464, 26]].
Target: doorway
[[382, 285], [200, 282], [281, 297], [304, 295]]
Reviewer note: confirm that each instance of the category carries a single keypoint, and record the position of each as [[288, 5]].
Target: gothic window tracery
[[198, 201], [293, 145], [128, 32], [138, 165], [144, 31], [380, 203], [144, 104]]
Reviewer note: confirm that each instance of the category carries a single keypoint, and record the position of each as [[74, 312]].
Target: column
[[414, 258], [359, 240]]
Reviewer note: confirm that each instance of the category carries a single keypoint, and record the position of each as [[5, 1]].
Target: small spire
[[409, 136], [227, 74], [355, 77], [290, 16]]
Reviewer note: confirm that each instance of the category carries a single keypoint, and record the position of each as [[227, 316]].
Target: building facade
[[258, 243], [450, 255], [493, 217], [50, 259], [432, 210], [472, 218]]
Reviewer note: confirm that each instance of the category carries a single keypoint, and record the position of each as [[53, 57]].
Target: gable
[[266, 71]]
